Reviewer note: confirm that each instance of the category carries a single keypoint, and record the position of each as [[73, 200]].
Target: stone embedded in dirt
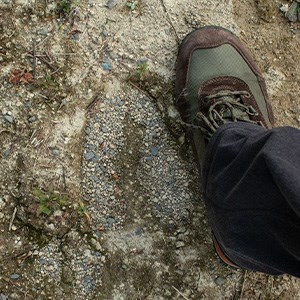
[[9, 119], [89, 155], [3, 297], [7, 152], [32, 119], [220, 281], [111, 3], [43, 31], [106, 66], [154, 151], [104, 129], [292, 13], [180, 244], [14, 276], [55, 152], [110, 221]]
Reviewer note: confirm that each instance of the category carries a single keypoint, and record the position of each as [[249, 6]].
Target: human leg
[[251, 182]]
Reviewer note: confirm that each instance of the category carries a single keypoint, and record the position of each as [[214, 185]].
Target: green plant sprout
[[132, 4], [47, 200]]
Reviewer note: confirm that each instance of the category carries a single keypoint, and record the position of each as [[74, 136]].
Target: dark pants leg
[[251, 182]]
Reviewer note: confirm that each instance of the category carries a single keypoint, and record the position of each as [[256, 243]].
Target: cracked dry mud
[[100, 197]]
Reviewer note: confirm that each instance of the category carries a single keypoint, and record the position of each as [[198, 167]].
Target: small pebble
[[43, 31], [14, 276], [7, 152], [104, 129], [180, 244], [220, 281], [9, 119], [89, 155], [55, 152], [3, 297], [106, 66], [32, 119], [111, 3], [154, 151]]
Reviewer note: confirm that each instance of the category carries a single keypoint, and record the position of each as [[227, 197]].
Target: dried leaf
[[18, 76]]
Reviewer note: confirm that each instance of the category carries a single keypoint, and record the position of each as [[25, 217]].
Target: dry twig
[[12, 219], [34, 59], [243, 286], [169, 20], [184, 297], [92, 103]]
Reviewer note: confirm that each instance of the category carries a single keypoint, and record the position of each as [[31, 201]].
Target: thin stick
[[43, 60], [34, 59], [92, 103], [56, 71], [64, 178], [184, 297], [12, 219], [243, 286], [169, 20], [141, 90]]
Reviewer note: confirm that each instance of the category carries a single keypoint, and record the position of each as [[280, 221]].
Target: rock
[[111, 3], [50, 226], [292, 13], [220, 281], [14, 276], [139, 231], [106, 66], [55, 152], [104, 33], [89, 155], [180, 244], [284, 8], [3, 297], [58, 213], [32, 119], [2, 203], [104, 129], [89, 282], [110, 221], [96, 244], [7, 152], [9, 119], [121, 102], [43, 31], [154, 151], [87, 252]]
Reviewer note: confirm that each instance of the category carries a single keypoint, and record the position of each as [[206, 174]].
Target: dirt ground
[[99, 193]]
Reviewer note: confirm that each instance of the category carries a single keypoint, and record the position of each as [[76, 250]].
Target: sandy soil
[[144, 238]]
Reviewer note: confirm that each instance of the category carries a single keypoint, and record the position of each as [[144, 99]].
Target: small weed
[[143, 70], [82, 209], [49, 200], [132, 4], [50, 79], [66, 6]]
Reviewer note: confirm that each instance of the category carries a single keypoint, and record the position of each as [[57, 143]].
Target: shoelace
[[227, 108]]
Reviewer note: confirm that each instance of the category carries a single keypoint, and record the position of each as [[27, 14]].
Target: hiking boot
[[217, 82]]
